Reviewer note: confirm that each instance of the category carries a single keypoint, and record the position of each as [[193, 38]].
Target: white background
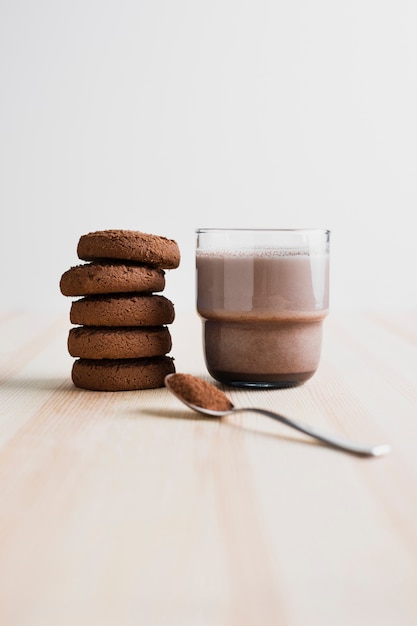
[[168, 115]]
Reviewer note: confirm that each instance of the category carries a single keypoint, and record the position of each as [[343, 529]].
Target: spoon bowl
[[186, 393]]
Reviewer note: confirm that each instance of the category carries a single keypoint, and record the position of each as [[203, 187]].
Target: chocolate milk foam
[[262, 312]]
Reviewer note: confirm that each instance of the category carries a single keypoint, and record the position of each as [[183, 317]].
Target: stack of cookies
[[121, 339]]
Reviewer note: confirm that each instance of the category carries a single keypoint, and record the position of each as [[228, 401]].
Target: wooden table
[[122, 509]]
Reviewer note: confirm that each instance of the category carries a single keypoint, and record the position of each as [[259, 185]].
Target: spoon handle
[[332, 440]]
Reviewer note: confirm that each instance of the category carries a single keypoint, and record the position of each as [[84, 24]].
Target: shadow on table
[[37, 384], [226, 422]]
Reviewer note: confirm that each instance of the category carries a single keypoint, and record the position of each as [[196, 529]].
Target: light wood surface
[[121, 509]]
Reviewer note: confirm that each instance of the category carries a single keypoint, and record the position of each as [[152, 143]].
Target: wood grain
[[121, 509]]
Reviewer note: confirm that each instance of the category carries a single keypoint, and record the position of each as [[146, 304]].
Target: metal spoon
[[331, 440]]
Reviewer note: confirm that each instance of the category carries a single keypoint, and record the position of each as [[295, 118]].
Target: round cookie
[[102, 278], [124, 343], [121, 374], [129, 245], [123, 310]]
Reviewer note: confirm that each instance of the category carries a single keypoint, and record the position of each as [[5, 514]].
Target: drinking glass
[[262, 296]]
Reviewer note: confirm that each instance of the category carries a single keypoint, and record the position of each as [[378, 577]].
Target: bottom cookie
[[121, 374]]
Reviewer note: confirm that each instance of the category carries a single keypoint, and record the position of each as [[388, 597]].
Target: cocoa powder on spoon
[[199, 392]]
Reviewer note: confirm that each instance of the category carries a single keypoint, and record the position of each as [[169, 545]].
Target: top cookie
[[129, 245]]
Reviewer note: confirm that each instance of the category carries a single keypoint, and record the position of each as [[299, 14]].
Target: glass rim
[[324, 231]]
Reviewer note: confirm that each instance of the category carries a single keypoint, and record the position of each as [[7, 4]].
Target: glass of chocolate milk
[[262, 295]]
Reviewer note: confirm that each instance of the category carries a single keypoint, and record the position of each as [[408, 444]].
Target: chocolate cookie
[[129, 245], [90, 342], [126, 310], [102, 278], [121, 374]]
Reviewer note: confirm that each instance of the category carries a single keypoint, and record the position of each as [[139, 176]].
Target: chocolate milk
[[262, 312]]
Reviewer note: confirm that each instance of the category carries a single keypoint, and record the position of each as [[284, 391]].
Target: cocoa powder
[[199, 392]]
